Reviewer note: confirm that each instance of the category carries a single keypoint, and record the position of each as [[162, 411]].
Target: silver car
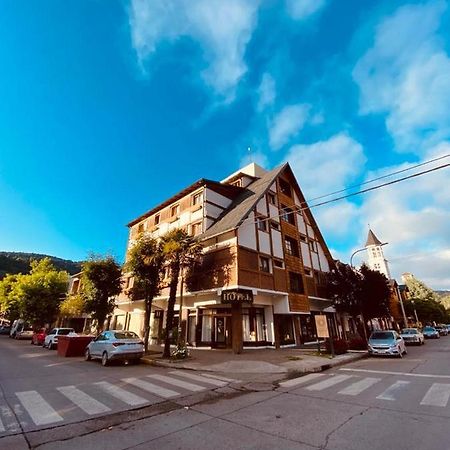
[[412, 336], [387, 342], [115, 345]]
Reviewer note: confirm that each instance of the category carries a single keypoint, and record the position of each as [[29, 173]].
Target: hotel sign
[[236, 296]]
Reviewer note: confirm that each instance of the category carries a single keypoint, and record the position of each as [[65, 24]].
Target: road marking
[[404, 374], [389, 393], [2, 428], [192, 376], [178, 383], [150, 387], [328, 383], [125, 396], [220, 377], [88, 404], [32, 355], [359, 386], [39, 410], [9, 421], [301, 380], [437, 395]]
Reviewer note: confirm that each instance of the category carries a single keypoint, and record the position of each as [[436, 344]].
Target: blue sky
[[108, 108]]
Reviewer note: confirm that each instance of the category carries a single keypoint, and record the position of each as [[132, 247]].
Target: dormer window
[[157, 219], [272, 199], [285, 187], [196, 199], [174, 210]]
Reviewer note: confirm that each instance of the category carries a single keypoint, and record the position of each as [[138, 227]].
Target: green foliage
[[100, 283], [17, 262], [375, 293], [72, 306], [145, 262], [428, 311], [34, 297], [419, 290]]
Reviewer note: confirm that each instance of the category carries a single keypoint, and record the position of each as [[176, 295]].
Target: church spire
[[372, 239]]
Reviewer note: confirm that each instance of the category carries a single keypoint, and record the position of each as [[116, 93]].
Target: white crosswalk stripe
[[220, 377], [38, 409], [121, 394], [84, 401], [205, 380], [437, 395], [178, 383], [359, 386], [389, 393], [301, 380], [150, 387], [2, 427], [328, 383]]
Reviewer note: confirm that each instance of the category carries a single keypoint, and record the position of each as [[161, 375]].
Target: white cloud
[[406, 76], [286, 124], [327, 166], [302, 9], [266, 92], [222, 29]]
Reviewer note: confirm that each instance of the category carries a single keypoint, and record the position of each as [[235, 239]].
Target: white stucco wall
[[277, 244], [264, 242], [247, 233], [323, 260], [261, 207], [216, 198], [305, 254], [315, 261]]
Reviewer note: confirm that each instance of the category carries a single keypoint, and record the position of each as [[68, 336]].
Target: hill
[[16, 262]]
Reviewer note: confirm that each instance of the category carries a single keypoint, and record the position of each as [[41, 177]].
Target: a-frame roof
[[372, 239], [241, 207]]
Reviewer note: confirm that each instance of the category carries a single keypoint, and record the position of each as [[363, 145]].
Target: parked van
[[20, 330]]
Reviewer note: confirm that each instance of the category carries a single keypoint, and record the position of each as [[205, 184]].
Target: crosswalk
[[28, 409], [436, 395]]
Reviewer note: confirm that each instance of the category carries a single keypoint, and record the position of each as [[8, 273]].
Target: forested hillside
[[15, 262]]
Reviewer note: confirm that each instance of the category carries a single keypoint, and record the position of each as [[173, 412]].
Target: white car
[[412, 336], [386, 342], [115, 345], [51, 340]]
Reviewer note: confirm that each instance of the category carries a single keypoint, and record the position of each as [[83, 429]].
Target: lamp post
[[415, 312]]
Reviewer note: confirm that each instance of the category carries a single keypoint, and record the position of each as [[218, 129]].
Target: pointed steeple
[[372, 239]]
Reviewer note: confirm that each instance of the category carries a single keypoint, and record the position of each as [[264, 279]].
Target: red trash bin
[[73, 345]]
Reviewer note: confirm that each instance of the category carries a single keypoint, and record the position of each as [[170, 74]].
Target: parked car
[[17, 325], [387, 342], [115, 345], [51, 340], [442, 329], [430, 333], [412, 336], [448, 327], [5, 329], [26, 332], [38, 337]]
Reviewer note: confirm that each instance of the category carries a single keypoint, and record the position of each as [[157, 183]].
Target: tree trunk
[[148, 311], [170, 308]]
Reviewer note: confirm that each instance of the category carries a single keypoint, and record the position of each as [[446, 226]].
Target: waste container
[[73, 345]]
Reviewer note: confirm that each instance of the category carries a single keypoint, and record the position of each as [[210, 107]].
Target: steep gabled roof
[[241, 207], [372, 239]]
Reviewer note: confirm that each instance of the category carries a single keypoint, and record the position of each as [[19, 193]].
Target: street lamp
[[415, 312]]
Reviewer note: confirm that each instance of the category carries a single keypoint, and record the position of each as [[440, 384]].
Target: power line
[[380, 178]]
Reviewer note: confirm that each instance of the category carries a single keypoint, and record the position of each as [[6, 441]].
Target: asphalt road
[[375, 403]]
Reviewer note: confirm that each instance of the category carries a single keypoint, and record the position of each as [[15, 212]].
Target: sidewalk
[[254, 363]]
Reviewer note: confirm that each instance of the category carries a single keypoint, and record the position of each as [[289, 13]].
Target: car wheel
[[105, 360], [87, 355]]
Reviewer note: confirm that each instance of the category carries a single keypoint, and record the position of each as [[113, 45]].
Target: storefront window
[[246, 326], [206, 327], [286, 329], [260, 328], [191, 327]]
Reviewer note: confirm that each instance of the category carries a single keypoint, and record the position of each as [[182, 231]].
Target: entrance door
[[221, 331]]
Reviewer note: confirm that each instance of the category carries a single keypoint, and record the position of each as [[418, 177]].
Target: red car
[[38, 336]]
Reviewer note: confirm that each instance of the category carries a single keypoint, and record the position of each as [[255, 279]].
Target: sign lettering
[[237, 296]]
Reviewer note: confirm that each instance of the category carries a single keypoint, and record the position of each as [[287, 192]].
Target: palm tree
[[179, 249], [145, 262]]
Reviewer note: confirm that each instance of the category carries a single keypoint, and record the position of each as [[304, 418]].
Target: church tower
[[376, 261]]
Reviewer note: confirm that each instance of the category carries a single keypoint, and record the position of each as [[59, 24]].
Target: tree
[[100, 283], [428, 311], [375, 293], [145, 264], [9, 301], [179, 250], [419, 290], [72, 306]]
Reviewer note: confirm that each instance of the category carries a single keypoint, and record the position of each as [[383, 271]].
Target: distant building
[[262, 249]]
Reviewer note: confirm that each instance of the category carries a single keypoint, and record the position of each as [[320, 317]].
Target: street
[[54, 403]]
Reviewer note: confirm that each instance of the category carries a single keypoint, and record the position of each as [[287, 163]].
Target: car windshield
[[428, 329], [126, 335], [382, 335], [65, 331], [409, 331]]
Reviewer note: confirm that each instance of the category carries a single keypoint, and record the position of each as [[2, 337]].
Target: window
[[157, 219], [264, 265], [303, 238], [291, 246], [261, 223], [285, 187], [141, 227], [174, 210], [196, 199], [275, 225], [196, 228], [313, 246], [237, 183], [308, 272], [271, 198], [296, 283], [287, 215], [278, 263]]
